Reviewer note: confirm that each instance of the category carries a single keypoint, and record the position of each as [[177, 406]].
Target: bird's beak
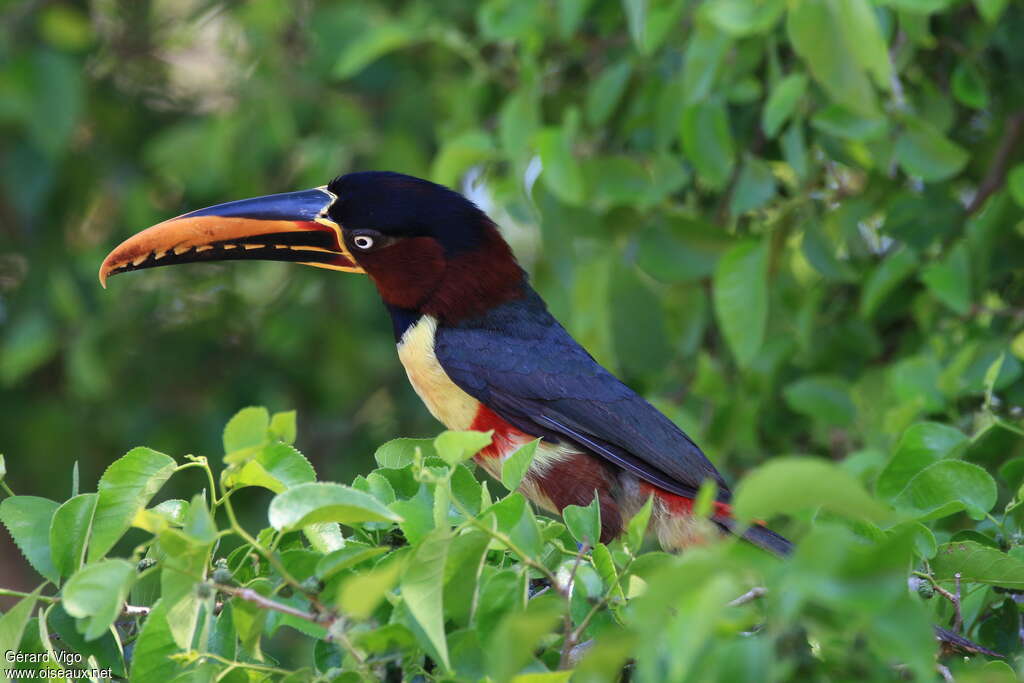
[[280, 227]]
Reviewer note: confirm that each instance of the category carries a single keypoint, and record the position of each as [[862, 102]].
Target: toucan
[[477, 342]]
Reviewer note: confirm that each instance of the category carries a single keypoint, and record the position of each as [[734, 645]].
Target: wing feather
[[521, 363]]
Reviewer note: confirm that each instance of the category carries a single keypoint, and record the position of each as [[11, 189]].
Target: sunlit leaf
[[741, 299], [69, 532], [27, 519], [948, 486], [422, 586], [515, 466], [977, 563], [97, 593], [125, 488]]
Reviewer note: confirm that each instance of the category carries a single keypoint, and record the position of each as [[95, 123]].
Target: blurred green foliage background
[[796, 227]]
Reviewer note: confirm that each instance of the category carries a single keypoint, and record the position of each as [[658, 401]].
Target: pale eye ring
[[363, 241]]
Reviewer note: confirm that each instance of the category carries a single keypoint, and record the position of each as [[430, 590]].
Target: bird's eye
[[363, 241]]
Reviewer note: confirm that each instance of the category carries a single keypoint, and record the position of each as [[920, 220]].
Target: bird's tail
[[763, 537], [759, 535]]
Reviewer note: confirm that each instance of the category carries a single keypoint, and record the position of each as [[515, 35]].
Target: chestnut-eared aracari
[[477, 342]]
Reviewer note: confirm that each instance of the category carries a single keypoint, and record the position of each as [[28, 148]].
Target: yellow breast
[[452, 406], [456, 409]]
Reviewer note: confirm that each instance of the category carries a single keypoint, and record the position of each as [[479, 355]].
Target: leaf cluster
[[416, 570]]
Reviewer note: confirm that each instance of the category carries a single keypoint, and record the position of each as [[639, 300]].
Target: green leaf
[[821, 33], [946, 487], [637, 527], [125, 489], [824, 397], [991, 10], [307, 504], [885, 278], [518, 121], [584, 523], [282, 427], [755, 187], [351, 555], [12, 626], [617, 181], [28, 519], [417, 514], [707, 141], [969, 86], [26, 345], [151, 656], [515, 466], [1015, 181], [360, 595], [372, 43], [562, 173], [106, 649], [422, 587], [460, 153], [842, 123], [398, 453], [950, 279], [514, 517], [512, 644], [977, 563], [789, 484], [864, 36], [920, 445], [508, 19], [741, 18], [741, 299], [277, 466], [705, 56], [70, 531], [636, 21], [605, 91], [924, 152], [246, 429], [97, 592], [794, 149], [454, 447], [781, 104]]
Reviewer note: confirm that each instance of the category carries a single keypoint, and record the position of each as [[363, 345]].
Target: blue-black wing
[[522, 364]]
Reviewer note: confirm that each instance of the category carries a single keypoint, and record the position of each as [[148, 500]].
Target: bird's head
[[427, 248]]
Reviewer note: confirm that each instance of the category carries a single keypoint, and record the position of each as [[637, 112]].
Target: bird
[[478, 343]]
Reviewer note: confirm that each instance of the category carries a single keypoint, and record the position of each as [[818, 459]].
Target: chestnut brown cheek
[[407, 271]]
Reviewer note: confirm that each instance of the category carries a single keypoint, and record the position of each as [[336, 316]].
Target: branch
[[249, 595], [996, 175], [958, 619], [571, 635], [751, 595], [326, 620]]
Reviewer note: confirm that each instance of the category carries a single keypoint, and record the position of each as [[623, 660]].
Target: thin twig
[[22, 594], [504, 540], [953, 599], [751, 595], [958, 622], [571, 634], [136, 611], [250, 595], [605, 599], [234, 664], [996, 175]]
